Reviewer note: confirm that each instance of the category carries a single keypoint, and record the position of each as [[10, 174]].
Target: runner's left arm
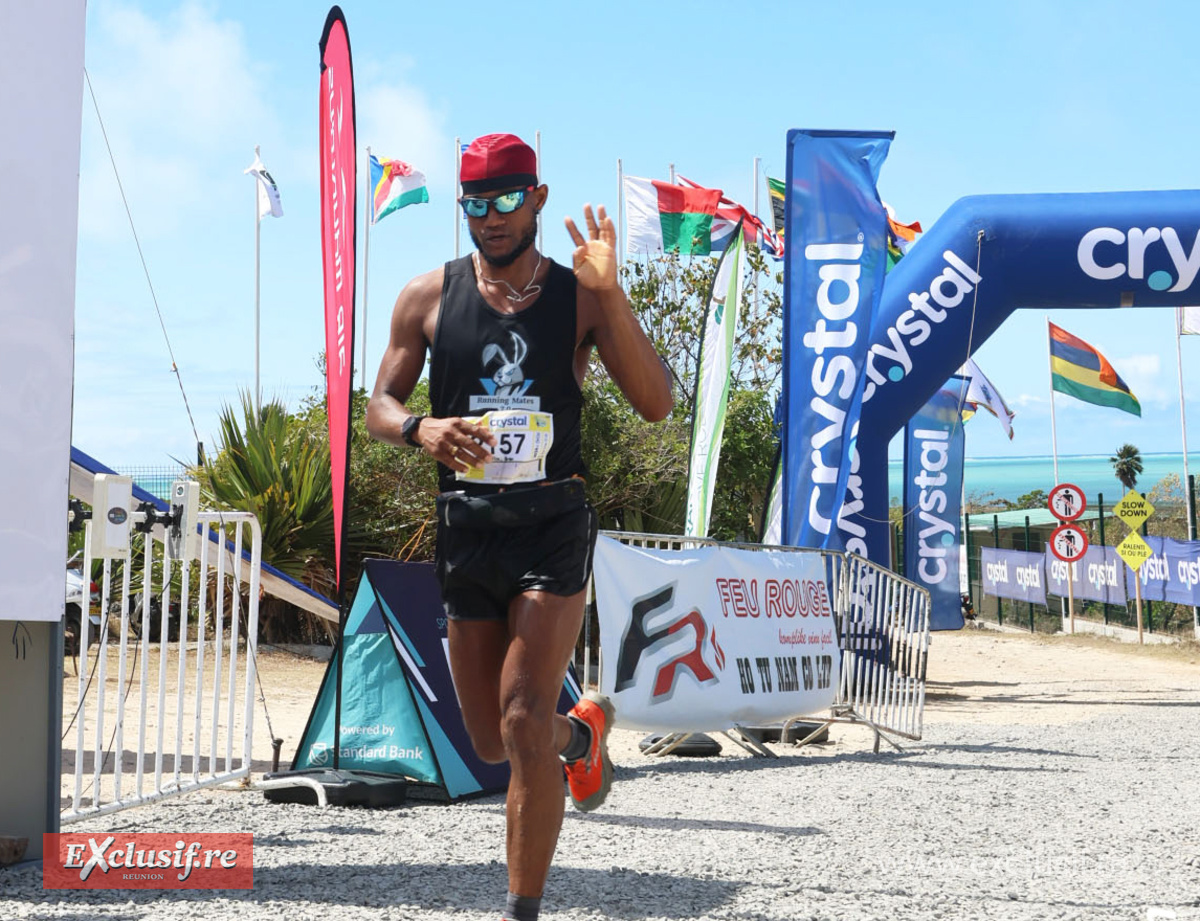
[[622, 343]]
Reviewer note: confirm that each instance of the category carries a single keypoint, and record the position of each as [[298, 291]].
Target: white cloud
[[1143, 374], [399, 122], [1027, 399], [182, 106]]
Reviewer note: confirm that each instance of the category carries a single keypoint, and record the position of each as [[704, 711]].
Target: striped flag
[[1079, 370], [394, 185]]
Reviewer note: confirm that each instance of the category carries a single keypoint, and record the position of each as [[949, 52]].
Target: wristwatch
[[409, 430]]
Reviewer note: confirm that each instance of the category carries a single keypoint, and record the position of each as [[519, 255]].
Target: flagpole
[[1187, 504], [1053, 424], [671, 166], [257, 277], [366, 263], [457, 192], [620, 213], [537, 143], [757, 160]]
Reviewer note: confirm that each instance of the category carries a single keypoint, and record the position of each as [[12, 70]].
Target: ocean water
[[1013, 477]]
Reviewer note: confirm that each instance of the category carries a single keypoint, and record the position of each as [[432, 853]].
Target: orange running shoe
[[590, 778]]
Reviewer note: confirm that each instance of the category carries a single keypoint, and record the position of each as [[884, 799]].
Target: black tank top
[[483, 359]]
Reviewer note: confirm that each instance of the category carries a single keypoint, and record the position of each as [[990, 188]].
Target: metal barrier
[[191, 694], [884, 632], [882, 621]]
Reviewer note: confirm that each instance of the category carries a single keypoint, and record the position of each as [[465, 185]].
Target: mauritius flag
[[394, 184], [665, 218], [1079, 370]]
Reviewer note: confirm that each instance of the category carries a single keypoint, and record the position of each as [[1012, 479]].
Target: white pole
[[620, 213], [1053, 425], [457, 192], [672, 168], [757, 160], [537, 141], [1183, 422], [257, 261], [366, 264]]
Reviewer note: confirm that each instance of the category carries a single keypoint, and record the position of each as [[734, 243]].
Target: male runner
[[510, 333]]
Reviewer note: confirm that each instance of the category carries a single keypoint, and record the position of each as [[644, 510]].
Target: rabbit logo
[[507, 380]]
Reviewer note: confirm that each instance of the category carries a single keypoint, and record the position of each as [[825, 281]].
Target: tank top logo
[[507, 386]]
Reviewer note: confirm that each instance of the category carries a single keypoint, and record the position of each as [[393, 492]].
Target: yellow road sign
[[1134, 550], [1133, 509]]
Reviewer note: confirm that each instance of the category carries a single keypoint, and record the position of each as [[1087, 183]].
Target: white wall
[[41, 97]]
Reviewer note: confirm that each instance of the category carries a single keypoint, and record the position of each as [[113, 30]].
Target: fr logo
[[641, 641]]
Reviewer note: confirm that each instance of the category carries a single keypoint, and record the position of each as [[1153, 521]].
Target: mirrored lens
[[475, 207], [509, 202]]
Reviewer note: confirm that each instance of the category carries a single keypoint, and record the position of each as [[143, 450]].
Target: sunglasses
[[504, 204]]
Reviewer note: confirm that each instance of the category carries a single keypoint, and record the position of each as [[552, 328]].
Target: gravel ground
[[1056, 779]]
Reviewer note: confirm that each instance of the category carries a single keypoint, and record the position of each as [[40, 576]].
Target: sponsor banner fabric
[[934, 452], [1096, 577], [339, 209], [712, 386], [833, 275], [1014, 574], [1171, 574], [710, 638], [148, 860]]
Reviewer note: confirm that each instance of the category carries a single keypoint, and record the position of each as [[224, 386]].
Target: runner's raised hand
[[595, 259]]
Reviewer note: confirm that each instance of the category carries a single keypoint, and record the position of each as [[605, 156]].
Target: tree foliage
[[1127, 465]]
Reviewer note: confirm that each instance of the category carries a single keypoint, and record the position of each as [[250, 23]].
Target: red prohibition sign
[[1067, 502], [1068, 543]]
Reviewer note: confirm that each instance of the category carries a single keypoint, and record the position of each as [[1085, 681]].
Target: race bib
[[523, 441]]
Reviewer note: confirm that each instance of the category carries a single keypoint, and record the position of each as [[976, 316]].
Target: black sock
[[521, 908], [580, 743]]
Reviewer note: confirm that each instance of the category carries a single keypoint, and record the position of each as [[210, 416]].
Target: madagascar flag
[[1080, 371], [665, 218]]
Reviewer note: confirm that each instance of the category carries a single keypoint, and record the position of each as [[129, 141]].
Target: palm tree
[[1127, 464]]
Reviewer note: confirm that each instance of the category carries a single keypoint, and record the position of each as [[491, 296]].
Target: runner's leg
[[477, 653], [544, 628]]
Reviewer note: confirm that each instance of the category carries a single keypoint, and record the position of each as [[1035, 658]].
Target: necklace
[[516, 296]]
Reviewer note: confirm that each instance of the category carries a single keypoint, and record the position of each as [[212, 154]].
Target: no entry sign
[[1067, 502], [1068, 543]]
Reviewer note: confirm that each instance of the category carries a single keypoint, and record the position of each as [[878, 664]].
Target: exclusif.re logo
[[216, 860]]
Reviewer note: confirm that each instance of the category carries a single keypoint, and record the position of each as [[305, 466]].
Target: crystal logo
[[1106, 253]]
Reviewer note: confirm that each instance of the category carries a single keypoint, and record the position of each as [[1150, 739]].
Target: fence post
[[1149, 603], [1028, 550], [898, 549], [1100, 507], [970, 559], [1190, 485], [996, 538]]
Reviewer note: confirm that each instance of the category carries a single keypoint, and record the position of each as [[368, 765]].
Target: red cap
[[497, 161]]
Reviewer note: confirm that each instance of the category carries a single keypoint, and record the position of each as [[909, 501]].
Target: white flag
[[1189, 321], [982, 392], [269, 202]]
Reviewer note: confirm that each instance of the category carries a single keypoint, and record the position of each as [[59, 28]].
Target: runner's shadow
[[678, 823]]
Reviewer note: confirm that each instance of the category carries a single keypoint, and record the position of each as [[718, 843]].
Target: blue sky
[[984, 98]]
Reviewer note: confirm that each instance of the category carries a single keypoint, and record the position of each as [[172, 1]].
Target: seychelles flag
[[665, 218], [1079, 370], [394, 184]]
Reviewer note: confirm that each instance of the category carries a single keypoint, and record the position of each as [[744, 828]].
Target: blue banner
[[1013, 574], [1172, 574], [934, 449], [1099, 576], [833, 275]]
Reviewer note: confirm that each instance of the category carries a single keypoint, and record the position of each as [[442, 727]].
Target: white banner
[[41, 109], [1189, 321], [706, 639], [712, 385]]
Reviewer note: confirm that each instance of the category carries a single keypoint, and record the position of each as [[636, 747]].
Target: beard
[[508, 258]]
